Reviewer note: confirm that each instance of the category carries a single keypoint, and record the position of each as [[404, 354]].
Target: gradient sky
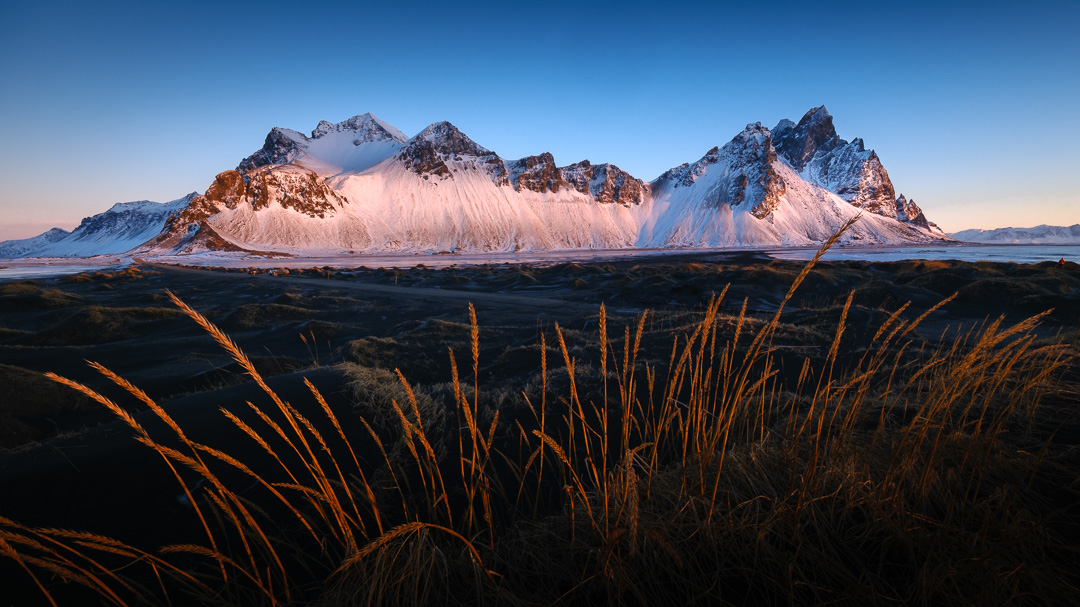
[[972, 106]]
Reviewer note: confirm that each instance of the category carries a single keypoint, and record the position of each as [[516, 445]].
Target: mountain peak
[[428, 152], [816, 114], [439, 131], [813, 133], [367, 127], [754, 143], [754, 131], [279, 147], [449, 139]]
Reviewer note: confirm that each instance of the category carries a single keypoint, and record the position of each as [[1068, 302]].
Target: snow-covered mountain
[[746, 193], [813, 149], [1042, 234], [25, 247], [121, 228], [361, 185]]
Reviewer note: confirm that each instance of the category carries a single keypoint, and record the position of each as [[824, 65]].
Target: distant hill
[[1043, 234]]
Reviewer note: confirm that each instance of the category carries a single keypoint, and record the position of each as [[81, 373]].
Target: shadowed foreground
[[740, 453]]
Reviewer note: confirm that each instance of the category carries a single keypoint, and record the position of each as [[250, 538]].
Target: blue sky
[[970, 105]]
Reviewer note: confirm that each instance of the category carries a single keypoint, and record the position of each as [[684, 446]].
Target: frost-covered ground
[[13, 269], [41, 267]]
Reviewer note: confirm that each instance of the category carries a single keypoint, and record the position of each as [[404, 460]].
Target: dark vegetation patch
[[29, 402], [233, 374], [129, 273], [97, 324], [23, 297], [264, 316]]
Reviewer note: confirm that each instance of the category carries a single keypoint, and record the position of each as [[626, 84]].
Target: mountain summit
[[361, 185], [820, 156]]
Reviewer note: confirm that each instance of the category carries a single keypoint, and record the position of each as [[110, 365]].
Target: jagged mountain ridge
[[1041, 234], [745, 193], [439, 190], [849, 170], [361, 185]]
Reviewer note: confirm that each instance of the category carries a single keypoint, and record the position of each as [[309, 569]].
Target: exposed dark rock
[[607, 183], [812, 148], [814, 134], [442, 142], [743, 173], [860, 179], [907, 210], [279, 148], [292, 188], [228, 189], [423, 158], [289, 186], [535, 173]]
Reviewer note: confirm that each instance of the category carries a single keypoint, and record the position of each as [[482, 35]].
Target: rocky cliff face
[[814, 135], [814, 150], [442, 146], [909, 212], [606, 183], [280, 147], [535, 174], [286, 186]]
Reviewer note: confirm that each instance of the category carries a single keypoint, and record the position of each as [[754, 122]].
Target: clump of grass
[[899, 477], [28, 394]]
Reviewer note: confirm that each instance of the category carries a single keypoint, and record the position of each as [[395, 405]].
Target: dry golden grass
[[900, 478]]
